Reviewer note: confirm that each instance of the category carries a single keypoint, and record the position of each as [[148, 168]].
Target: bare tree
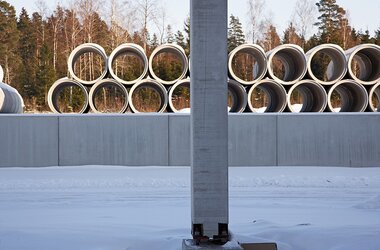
[[160, 21], [305, 12], [255, 19], [147, 9]]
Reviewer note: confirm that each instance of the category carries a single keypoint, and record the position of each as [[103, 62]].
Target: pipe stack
[[10, 100], [285, 79]]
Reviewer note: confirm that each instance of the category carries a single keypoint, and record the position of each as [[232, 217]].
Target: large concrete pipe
[[307, 96], [287, 64], [326, 64], [364, 63], [1, 74], [148, 96], [237, 97], [179, 96], [178, 53], [78, 97], [81, 50], [10, 100], [113, 97], [267, 96], [133, 50], [374, 98], [347, 96], [247, 64]]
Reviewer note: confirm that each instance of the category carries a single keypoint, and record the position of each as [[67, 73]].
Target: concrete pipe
[[326, 64], [287, 64], [128, 49], [175, 50], [10, 100], [79, 106], [267, 96], [374, 98], [148, 96], [364, 63], [110, 97], [78, 52], [1, 74], [347, 96], [247, 64], [179, 102], [237, 97], [307, 96]]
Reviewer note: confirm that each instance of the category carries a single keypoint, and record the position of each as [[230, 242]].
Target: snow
[[297, 107], [104, 207]]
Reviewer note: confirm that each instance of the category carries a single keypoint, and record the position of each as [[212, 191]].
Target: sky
[[363, 14]]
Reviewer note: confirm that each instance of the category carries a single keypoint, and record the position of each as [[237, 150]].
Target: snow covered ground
[[102, 207]]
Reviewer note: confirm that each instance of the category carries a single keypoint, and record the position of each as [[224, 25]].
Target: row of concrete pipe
[[10, 99], [356, 92]]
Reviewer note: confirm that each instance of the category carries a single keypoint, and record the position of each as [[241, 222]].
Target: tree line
[[34, 47]]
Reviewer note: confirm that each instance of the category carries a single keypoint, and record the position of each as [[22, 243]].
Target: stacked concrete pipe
[[10, 100]]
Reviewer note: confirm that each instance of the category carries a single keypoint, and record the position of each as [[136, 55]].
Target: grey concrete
[[329, 140], [209, 118], [28, 141], [252, 140], [190, 245], [133, 140], [179, 140]]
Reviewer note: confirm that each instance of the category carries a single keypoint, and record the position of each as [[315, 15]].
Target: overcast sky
[[363, 14]]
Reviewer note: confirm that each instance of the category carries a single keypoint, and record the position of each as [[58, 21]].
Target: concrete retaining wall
[[164, 140]]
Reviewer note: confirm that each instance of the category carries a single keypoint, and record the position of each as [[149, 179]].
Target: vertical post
[[209, 120]]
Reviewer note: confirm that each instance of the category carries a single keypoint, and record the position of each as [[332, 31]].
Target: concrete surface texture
[[164, 140], [209, 117]]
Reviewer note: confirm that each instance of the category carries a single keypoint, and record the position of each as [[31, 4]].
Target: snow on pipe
[[239, 97], [336, 69], [353, 97], [128, 49], [183, 83], [313, 95], [58, 86], [107, 83], [174, 49], [82, 49], [274, 92], [10, 100], [153, 85], [374, 93], [292, 59], [364, 63], [259, 66]]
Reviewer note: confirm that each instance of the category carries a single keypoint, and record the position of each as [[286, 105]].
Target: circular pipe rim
[[11, 101], [155, 85], [277, 85], [257, 50], [295, 48], [61, 84], [82, 49], [350, 54], [321, 48], [175, 49], [103, 83], [241, 96], [185, 82], [317, 86], [357, 85], [1, 74], [374, 90], [131, 48]]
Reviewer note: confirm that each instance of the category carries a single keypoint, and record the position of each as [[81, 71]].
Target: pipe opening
[[267, 96], [68, 96], [108, 96], [347, 96], [247, 64], [179, 96], [237, 97], [168, 64], [364, 64], [307, 96], [148, 96], [374, 98], [128, 63], [327, 64], [88, 63], [287, 64]]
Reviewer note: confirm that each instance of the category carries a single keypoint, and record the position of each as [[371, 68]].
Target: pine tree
[[377, 36], [186, 28], [235, 33], [271, 38], [365, 37], [291, 36], [180, 39], [169, 34]]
